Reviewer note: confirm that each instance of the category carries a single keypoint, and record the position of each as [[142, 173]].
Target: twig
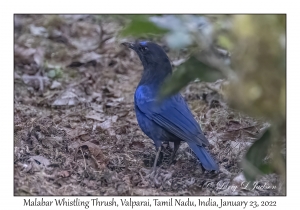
[[94, 159], [251, 126], [83, 158], [142, 176], [78, 83]]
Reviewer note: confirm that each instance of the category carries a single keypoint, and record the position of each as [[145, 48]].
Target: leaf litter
[[75, 132]]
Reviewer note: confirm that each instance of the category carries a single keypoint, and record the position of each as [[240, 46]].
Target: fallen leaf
[[96, 153], [67, 98], [233, 125], [63, 174], [74, 145], [123, 113], [23, 54], [55, 85], [95, 116], [90, 56], [97, 107], [38, 56], [137, 145], [41, 160], [76, 133], [105, 125], [38, 31]]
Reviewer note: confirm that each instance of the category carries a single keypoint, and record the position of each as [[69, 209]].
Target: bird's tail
[[205, 158]]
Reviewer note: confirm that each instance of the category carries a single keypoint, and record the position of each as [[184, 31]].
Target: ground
[[75, 131]]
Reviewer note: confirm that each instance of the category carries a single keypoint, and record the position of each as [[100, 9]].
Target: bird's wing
[[174, 115]]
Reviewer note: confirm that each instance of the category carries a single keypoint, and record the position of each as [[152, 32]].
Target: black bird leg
[[156, 158], [176, 147]]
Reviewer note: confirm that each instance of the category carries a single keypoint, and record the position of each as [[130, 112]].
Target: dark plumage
[[171, 119]]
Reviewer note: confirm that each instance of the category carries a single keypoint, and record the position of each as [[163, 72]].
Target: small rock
[[239, 179], [55, 85]]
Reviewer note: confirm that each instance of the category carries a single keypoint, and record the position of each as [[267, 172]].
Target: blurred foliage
[[140, 25], [193, 68], [256, 71], [252, 162], [260, 61]]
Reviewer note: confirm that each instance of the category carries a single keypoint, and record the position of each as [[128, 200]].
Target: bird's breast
[[145, 94]]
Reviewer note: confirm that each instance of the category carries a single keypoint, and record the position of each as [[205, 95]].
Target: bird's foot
[[152, 174], [171, 161]]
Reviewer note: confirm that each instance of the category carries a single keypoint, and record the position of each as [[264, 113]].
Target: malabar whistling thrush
[[169, 119]]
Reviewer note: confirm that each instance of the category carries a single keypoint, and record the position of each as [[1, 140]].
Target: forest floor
[[75, 131]]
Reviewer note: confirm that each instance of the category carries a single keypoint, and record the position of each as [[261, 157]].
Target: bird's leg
[[156, 158], [152, 174], [176, 147]]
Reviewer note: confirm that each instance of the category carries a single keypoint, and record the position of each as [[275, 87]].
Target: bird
[[170, 119]]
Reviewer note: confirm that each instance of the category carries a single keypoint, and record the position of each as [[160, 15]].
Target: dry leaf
[[38, 31], [96, 153], [23, 54], [41, 160], [55, 85], [67, 98], [63, 173], [105, 125], [95, 116]]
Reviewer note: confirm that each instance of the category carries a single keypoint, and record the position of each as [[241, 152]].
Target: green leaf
[[252, 163], [51, 73], [266, 168], [140, 25], [225, 42], [55, 73], [187, 72]]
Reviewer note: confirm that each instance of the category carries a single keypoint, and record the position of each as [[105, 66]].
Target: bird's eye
[[143, 49]]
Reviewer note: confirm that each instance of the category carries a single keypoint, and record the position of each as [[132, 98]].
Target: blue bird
[[169, 119]]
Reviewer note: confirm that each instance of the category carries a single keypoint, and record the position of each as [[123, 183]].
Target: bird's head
[[150, 54], [156, 63]]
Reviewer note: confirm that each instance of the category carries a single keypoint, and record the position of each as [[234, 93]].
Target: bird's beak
[[129, 45]]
